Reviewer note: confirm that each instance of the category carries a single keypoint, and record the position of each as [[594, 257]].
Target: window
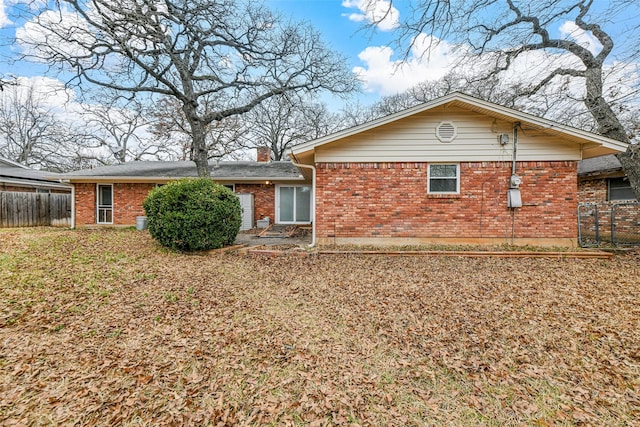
[[620, 189], [105, 204], [443, 179], [293, 204], [231, 187]]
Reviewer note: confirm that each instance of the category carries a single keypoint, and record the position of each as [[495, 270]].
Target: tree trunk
[[199, 152], [610, 126]]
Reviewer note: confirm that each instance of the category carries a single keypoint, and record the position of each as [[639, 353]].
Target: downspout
[[313, 198], [73, 207], [511, 183], [515, 147]]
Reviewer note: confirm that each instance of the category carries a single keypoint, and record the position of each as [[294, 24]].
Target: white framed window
[[443, 178], [231, 187], [104, 204], [293, 204]]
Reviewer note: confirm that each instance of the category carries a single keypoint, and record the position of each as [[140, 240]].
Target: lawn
[[105, 327]]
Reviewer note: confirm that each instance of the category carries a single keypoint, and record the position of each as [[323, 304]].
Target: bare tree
[[170, 129], [234, 50], [505, 30], [33, 134], [121, 130], [282, 122]]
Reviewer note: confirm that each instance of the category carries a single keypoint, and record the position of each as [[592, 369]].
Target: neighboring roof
[[166, 171], [588, 140], [23, 176], [599, 165], [10, 163]]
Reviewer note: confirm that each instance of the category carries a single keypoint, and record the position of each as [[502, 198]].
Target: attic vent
[[446, 131]]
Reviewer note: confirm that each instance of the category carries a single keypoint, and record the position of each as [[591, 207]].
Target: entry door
[[246, 204], [293, 204]]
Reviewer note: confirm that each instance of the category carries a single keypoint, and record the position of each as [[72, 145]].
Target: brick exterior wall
[[127, 203], [264, 200], [390, 200], [593, 191], [128, 198], [624, 214]]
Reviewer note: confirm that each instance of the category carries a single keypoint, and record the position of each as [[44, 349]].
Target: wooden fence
[[34, 209]]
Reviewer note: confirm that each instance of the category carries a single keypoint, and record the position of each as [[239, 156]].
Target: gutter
[[36, 183], [153, 180], [313, 199]]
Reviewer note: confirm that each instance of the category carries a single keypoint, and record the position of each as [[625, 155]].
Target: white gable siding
[[414, 139]]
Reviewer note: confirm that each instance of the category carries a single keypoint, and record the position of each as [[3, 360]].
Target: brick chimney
[[264, 154]]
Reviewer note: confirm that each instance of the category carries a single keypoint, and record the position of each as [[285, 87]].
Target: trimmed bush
[[193, 215]]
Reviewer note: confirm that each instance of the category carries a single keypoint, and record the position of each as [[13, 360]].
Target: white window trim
[[233, 186], [277, 201], [98, 203], [457, 165]]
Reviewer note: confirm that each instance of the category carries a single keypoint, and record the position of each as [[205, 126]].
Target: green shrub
[[193, 215]]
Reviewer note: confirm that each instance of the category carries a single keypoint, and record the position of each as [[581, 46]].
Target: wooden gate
[[34, 209]]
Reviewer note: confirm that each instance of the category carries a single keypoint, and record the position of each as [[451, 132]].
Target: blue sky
[[370, 54]]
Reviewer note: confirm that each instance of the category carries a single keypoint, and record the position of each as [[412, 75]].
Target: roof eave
[[35, 183], [164, 179]]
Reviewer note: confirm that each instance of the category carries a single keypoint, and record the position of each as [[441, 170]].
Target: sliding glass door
[[293, 204]]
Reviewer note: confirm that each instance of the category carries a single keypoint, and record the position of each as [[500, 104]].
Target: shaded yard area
[[105, 327]]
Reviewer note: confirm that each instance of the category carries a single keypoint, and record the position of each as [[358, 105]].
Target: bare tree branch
[[190, 50]]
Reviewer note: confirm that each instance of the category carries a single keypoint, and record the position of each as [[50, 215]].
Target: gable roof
[[242, 171], [11, 164], [592, 144]]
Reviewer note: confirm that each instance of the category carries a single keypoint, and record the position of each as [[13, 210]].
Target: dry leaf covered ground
[[105, 327]]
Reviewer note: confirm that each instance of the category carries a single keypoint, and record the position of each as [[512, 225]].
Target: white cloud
[[49, 93], [584, 38], [380, 12], [429, 59], [4, 19], [53, 32]]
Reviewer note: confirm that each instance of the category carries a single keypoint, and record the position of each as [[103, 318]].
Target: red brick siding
[[127, 203], [85, 204], [264, 199], [128, 198], [593, 191], [390, 200]]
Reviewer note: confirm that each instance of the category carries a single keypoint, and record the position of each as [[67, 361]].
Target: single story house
[[15, 177], [454, 170], [113, 195], [602, 180]]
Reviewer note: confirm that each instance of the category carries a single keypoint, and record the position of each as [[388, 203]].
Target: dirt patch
[[106, 327]]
